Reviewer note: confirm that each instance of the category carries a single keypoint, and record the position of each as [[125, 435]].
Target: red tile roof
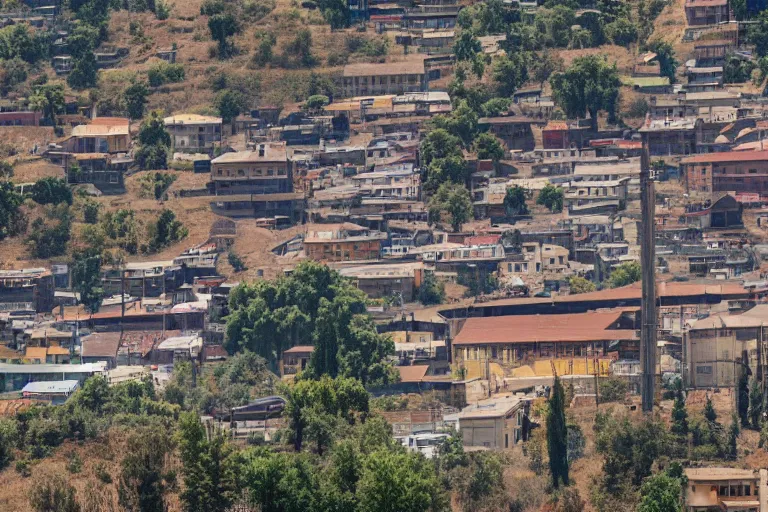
[[578, 327], [727, 156], [482, 240]]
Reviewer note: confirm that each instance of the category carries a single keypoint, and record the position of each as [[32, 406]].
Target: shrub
[[163, 73], [236, 262], [613, 389]]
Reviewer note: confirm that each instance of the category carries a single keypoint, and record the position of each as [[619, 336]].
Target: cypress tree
[[743, 399], [679, 414], [557, 435], [755, 404], [709, 411]]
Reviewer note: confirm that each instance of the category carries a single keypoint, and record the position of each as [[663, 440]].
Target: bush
[[91, 212], [75, 463], [102, 474], [164, 73], [49, 237], [23, 468], [51, 191], [613, 389], [236, 262], [431, 290]]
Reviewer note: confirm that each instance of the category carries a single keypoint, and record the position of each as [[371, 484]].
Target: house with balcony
[[192, 133], [725, 489], [706, 12], [342, 242], [387, 78]]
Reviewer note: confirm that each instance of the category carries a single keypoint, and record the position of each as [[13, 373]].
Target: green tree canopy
[[11, 218], [589, 85], [431, 290], [661, 493], [154, 143], [314, 305], [135, 96], [580, 285], [86, 278], [51, 191], [510, 72], [454, 200], [551, 197], [624, 274], [488, 147], [557, 435], [665, 54], [514, 201]]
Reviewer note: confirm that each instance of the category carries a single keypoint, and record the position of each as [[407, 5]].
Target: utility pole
[[648, 307]]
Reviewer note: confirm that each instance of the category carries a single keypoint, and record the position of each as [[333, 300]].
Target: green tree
[[739, 8], [488, 147], [399, 482], [223, 26], [453, 199], [758, 34], [665, 54], [514, 201], [166, 231], [439, 144], [733, 435], [300, 49], [49, 235], [557, 435], [462, 123], [316, 102], [621, 32], [625, 274], [229, 104], [81, 43], [578, 285], [660, 493], [467, 46], [51, 191], [91, 212], [679, 425], [154, 143], [313, 303], [48, 99], [709, 410], [496, 107], [11, 217], [50, 492], [555, 25], [755, 404], [551, 197], [9, 437], [265, 49], [142, 483], [509, 73], [208, 467], [311, 402], [135, 96], [236, 261], [431, 290], [589, 85], [742, 398], [86, 278]]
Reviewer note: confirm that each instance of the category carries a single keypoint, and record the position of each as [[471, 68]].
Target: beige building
[[718, 347], [495, 423], [726, 489], [388, 78], [266, 170], [192, 133], [102, 135]]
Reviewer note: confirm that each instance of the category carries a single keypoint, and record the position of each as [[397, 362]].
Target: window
[[517, 267], [551, 261], [509, 267], [525, 267], [506, 440], [240, 172]]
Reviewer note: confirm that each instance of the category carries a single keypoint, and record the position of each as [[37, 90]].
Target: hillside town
[[435, 255]]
